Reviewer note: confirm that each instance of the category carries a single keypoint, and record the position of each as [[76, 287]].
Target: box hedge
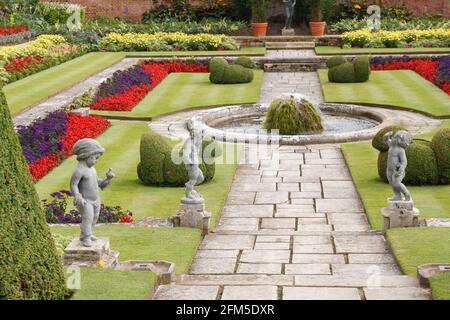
[[223, 73], [157, 168], [29, 265], [342, 71], [441, 147]]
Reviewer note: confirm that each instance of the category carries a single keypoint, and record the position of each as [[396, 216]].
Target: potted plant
[[316, 24], [259, 17]]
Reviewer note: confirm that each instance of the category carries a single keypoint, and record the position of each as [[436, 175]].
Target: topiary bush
[[223, 73], [29, 265], [342, 71], [378, 142], [441, 147], [157, 168], [246, 62], [293, 116]]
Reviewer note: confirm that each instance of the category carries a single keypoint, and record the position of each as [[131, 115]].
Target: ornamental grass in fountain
[[293, 116]]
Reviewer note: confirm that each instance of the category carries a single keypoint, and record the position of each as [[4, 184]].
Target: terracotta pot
[[317, 28], [260, 29]]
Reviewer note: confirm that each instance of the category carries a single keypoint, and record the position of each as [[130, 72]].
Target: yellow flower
[[357, 7]]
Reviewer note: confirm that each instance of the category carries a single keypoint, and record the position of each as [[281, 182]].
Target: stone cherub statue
[[289, 6], [397, 162], [85, 185], [191, 158]]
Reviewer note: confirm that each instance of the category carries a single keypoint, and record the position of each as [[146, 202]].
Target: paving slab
[[288, 186], [312, 248], [265, 256], [250, 293], [213, 266], [259, 268], [239, 198], [218, 254], [314, 240], [318, 258], [371, 258], [272, 245], [339, 205], [308, 293], [307, 268], [370, 268], [278, 223], [248, 211], [285, 239], [236, 279], [192, 292], [354, 280], [227, 242], [412, 293], [272, 197]]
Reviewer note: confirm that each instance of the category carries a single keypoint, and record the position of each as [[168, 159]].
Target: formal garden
[[308, 116]]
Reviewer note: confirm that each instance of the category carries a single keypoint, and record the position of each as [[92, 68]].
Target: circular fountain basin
[[243, 123]]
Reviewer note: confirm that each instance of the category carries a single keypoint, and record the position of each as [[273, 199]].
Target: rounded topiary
[[217, 68], [362, 68], [378, 142], [158, 169], [246, 62], [335, 61], [422, 166], [441, 147], [293, 116], [29, 264], [344, 73], [237, 74]]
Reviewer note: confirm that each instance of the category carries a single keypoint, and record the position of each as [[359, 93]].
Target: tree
[[29, 265]]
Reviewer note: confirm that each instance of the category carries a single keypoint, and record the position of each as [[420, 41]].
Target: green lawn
[[30, 90], [121, 142], [180, 91], [401, 88], [329, 50], [254, 51], [109, 284], [416, 246]]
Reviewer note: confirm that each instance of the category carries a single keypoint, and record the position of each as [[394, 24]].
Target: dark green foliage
[[441, 148], [335, 61], [422, 166], [223, 73], [291, 116], [246, 62], [378, 142], [362, 68], [29, 264], [344, 73], [157, 168]]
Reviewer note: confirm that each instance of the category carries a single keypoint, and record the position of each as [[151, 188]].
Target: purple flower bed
[[443, 69], [42, 137], [122, 81]]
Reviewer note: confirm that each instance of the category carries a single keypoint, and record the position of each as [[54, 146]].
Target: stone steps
[[293, 66], [290, 45]]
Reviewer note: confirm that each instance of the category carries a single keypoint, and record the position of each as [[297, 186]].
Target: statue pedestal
[[287, 32], [192, 214], [400, 214], [98, 255]]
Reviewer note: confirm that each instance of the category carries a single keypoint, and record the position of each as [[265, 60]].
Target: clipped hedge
[[441, 147], [378, 142], [157, 168], [29, 264], [223, 73], [293, 116], [246, 62], [342, 71]]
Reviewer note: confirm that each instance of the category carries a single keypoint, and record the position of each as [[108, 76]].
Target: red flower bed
[[425, 68], [19, 64], [4, 31], [127, 100], [77, 127]]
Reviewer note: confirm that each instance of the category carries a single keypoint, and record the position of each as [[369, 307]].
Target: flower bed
[[56, 211], [365, 38], [46, 142], [6, 31], [124, 90], [164, 41], [436, 71], [45, 52]]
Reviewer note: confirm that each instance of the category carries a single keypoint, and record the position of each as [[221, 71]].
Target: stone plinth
[[192, 215], [400, 214], [98, 255], [287, 32]]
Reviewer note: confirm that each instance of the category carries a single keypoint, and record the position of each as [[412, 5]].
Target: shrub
[[246, 62], [335, 61], [441, 148], [344, 73], [378, 142], [157, 168], [362, 69], [224, 73], [59, 13], [293, 116], [422, 167], [29, 264]]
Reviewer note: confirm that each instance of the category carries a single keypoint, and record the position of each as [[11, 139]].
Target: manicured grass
[[401, 88], [416, 246], [256, 51], [177, 245], [108, 284], [329, 50], [180, 91], [121, 142], [30, 90]]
